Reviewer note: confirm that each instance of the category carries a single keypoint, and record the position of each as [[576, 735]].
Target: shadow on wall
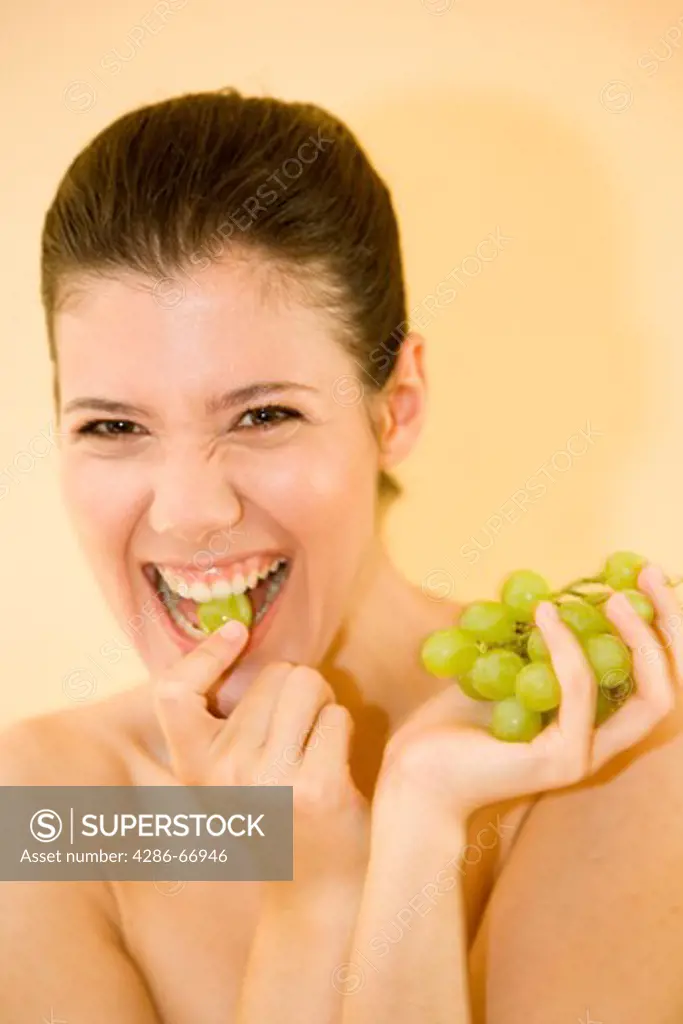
[[525, 347]]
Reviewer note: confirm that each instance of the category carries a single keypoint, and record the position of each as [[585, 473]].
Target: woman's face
[[206, 443]]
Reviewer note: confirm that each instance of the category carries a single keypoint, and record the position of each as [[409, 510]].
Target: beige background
[[558, 125]]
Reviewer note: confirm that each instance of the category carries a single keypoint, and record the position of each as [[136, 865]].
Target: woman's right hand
[[286, 730]]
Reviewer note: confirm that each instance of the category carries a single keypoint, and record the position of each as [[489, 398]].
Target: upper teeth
[[214, 588]]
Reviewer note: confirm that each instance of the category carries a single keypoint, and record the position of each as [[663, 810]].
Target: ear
[[403, 403]]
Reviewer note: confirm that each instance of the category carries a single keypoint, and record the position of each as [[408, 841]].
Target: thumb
[[180, 697]]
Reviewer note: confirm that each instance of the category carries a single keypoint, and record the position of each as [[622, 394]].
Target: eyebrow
[[218, 403]]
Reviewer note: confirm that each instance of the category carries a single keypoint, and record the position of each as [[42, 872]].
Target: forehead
[[233, 321]]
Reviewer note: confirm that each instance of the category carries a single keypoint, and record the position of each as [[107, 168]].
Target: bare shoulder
[[593, 889], [53, 928], [85, 745]]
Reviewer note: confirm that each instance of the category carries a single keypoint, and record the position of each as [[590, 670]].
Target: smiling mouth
[[181, 596]]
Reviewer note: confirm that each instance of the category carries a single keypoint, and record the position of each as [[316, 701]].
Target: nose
[[194, 499]]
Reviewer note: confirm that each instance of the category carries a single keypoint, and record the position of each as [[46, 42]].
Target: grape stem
[[581, 583]]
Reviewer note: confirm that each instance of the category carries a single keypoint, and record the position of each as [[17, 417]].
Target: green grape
[[514, 723], [212, 614], [585, 619], [610, 700], [604, 707], [521, 593], [449, 652], [642, 604], [622, 569], [537, 687], [536, 647], [493, 674], [488, 621], [465, 684], [610, 659]]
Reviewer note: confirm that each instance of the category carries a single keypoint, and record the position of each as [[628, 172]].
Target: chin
[[280, 630]]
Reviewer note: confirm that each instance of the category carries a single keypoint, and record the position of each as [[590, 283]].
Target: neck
[[374, 665]]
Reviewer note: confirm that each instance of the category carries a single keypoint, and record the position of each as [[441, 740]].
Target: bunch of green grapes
[[496, 653]]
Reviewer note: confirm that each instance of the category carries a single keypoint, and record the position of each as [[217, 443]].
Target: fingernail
[[656, 574], [546, 613], [232, 629]]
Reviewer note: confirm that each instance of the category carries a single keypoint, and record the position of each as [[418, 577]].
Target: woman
[[235, 379]]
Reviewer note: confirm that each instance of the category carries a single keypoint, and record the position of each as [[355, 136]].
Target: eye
[[266, 417], [111, 428]]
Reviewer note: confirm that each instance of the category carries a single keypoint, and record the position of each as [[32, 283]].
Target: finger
[[201, 668], [180, 703], [575, 676], [327, 752], [304, 695], [566, 743], [668, 617], [248, 724], [187, 728], [654, 694]]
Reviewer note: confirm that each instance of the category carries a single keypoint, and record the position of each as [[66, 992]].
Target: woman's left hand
[[459, 768]]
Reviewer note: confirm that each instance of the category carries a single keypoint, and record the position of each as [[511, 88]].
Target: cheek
[[101, 499], [320, 490]]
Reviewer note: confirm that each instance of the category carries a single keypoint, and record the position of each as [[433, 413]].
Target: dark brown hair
[[174, 185]]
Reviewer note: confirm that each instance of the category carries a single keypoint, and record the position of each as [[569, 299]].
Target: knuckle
[[567, 768], [334, 716], [282, 666], [576, 671], [576, 769], [240, 774], [189, 776], [303, 676], [277, 671], [309, 795], [169, 690]]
